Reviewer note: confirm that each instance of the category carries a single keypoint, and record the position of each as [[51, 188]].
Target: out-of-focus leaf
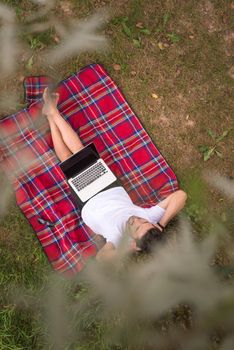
[[40, 2], [183, 274], [220, 182], [45, 7], [9, 101], [6, 194], [227, 344], [80, 37], [9, 44]]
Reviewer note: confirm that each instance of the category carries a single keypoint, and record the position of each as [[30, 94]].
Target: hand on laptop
[[50, 102]]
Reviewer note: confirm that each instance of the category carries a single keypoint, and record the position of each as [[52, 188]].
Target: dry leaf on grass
[[140, 25], [160, 45], [116, 67], [155, 96], [56, 39]]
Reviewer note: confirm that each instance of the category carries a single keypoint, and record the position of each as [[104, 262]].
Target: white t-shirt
[[108, 211]]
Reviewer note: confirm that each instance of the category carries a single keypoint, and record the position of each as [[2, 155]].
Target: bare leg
[[62, 132], [70, 137], [62, 151]]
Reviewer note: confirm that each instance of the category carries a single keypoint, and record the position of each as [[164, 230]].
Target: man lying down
[[111, 213]]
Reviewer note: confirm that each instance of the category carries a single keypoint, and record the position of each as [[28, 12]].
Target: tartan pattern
[[34, 87], [92, 103]]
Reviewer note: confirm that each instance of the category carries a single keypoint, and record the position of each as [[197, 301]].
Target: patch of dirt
[[210, 19], [186, 26], [228, 43], [231, 72], [66, 7]]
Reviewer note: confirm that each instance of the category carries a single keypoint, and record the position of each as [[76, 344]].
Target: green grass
[[23, 267], [203, 67]]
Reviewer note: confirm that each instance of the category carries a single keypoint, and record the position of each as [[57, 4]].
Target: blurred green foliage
[[29, 294]]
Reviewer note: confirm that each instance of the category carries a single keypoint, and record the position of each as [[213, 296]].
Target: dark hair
[[150, 238], [149, 242]]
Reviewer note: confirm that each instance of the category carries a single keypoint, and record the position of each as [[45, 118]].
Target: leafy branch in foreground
[[136, 305], [75, 36]]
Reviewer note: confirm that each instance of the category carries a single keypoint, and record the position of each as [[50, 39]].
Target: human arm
[[107, 252], [172, 205]]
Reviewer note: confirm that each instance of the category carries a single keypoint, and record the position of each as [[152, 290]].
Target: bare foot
[[50, 103]]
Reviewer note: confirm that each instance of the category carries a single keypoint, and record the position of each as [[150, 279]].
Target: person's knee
[[78, 149], [65, 156]]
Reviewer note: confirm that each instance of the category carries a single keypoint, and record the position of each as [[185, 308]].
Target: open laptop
[[87, 173]]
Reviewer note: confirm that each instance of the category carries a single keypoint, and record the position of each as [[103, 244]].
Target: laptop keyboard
[[89, 176]]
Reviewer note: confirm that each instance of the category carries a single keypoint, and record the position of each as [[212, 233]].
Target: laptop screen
[[80, 161]]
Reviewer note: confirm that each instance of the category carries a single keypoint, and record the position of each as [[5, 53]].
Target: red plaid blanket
[[98, 111]]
